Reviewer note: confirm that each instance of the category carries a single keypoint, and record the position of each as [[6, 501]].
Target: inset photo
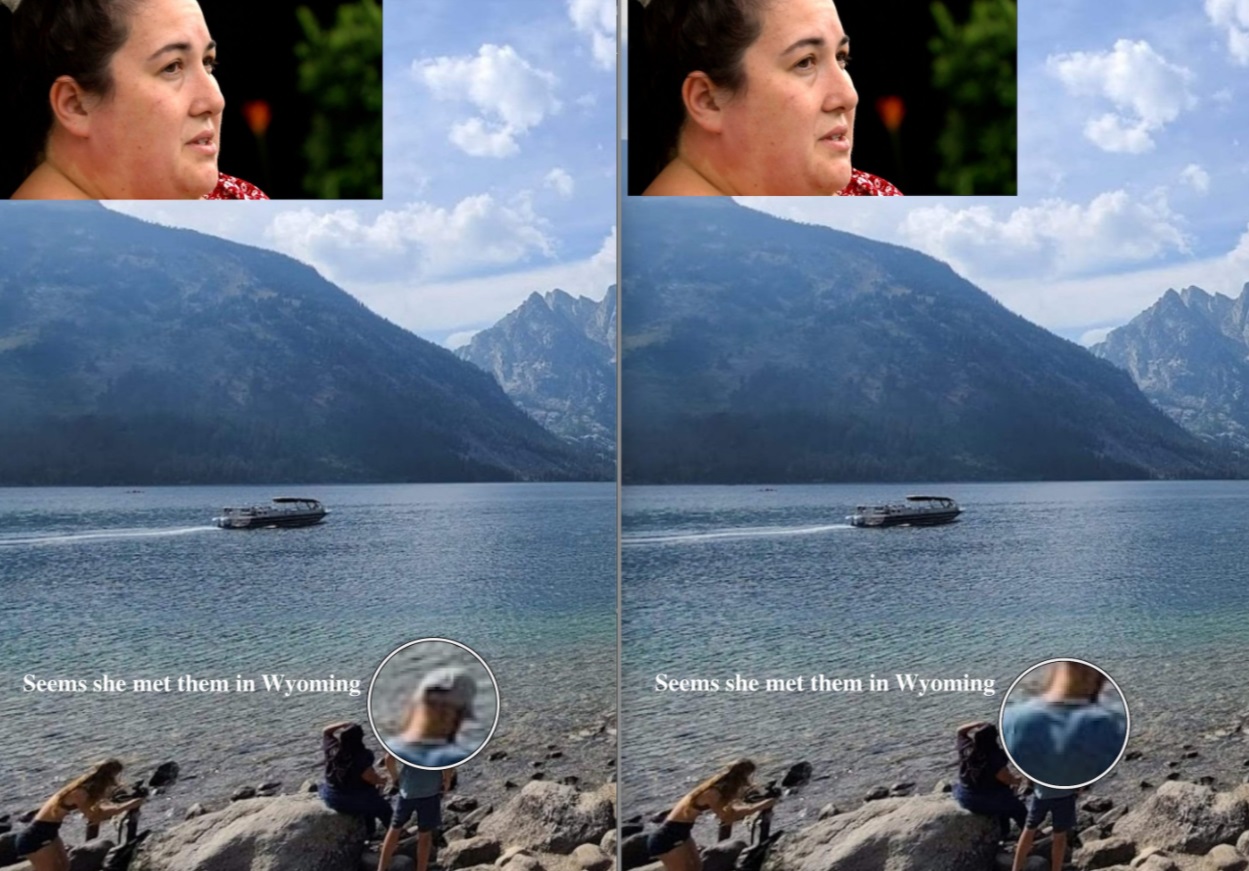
[[433, 703], [1064, 724], [820, 98], [174, 99]]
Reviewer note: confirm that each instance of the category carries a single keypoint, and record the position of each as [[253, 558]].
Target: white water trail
[[729, 534], [100, 535]]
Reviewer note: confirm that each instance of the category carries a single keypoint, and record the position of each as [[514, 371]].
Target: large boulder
[[1187, 818], [284, 833], [925, 833], [469, 852], [550, 817]]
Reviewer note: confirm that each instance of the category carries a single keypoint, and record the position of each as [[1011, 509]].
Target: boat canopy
[[929, 499], [298, 499]]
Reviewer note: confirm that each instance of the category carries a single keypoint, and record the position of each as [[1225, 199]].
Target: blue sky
[[499, 169], [1134, 168]]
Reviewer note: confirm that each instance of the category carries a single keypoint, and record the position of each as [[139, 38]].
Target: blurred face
[[790, 129], [156, 136]]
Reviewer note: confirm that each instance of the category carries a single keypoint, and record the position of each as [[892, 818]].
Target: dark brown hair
[[47, 39], [98, 783], [674, 39]]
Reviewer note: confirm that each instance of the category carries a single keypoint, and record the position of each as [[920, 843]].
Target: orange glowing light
[[258, 116], [891, 110]]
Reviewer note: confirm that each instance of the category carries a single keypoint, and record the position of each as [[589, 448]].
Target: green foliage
[[974, 65], [340, 70]]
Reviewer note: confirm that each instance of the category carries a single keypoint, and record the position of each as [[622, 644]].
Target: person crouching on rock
[[985, 782], [420, 794], [351, 782], [673, 842], [41, 843]]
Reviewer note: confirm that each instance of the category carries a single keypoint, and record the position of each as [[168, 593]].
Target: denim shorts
[[1063, 809], [428, 810]]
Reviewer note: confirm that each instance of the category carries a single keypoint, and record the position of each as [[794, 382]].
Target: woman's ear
[[70, 106], [703, 101]]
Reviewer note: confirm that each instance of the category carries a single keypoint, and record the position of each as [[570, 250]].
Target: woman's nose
[[841, 95], [209, 99]]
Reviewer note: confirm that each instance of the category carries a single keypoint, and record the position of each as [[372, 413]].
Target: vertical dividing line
[[620, 37]]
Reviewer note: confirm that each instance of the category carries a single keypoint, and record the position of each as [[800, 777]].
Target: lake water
[[141, 585], [1149, 580]]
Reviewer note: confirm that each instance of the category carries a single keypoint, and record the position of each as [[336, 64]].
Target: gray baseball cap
[[454, 686]]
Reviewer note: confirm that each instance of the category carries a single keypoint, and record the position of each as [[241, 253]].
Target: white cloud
[[418, 241], [1091, 337], [460, 339], [1054, 237], [597, 19], [1197, 177], [1233, 17], [512, 96], [1147, 91], [560, 181]]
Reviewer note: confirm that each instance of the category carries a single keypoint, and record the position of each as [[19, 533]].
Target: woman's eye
[[843, 60], [806, 63], [211, 65], [174, 67]]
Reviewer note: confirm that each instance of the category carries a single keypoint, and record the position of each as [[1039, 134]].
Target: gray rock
[[165, 775], [608, 844], [308, 786], [462, 804], [469, 852], [285, 833], [1225, 858], [1242, 844], [943, 786], [401, 861], [876, 794], [524, 862], [457, 833], [797, 775], [90, 856], [829, 810], [551, 817], [1186, 817], [1104, 853], [473, 820], [195, 810], [924, 833], [1097, 805], [243, 792], [902, 787], [722, 856], [589, 857]]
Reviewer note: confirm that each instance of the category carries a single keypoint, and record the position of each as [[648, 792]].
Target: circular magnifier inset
[[1064, 723], [433, 703]]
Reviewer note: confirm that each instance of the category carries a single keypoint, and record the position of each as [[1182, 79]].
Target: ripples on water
[[139, 585], [1145, 579]]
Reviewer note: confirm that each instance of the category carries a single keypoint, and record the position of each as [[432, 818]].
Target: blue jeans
[[1001, 803], [367, 804], [1063, 808]]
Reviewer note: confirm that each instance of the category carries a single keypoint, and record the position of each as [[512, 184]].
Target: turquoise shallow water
[[140, 585], [1150, 580]]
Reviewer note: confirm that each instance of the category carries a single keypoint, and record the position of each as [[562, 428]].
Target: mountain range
[[1189, 353], [137, 354], [756, 349], [555, 356]]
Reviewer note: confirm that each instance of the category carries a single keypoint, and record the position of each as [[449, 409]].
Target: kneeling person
[[420, 795]]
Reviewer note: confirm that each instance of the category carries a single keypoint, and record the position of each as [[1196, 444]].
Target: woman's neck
[[48, 182]]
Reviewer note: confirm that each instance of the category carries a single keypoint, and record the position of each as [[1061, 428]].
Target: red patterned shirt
[[864, 184], [231, 188]]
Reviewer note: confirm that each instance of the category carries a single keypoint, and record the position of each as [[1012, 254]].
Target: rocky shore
[[522, 804], [1175, 810]]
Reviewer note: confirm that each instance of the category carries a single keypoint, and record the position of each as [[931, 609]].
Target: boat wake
[[730, 534], [98, 535]]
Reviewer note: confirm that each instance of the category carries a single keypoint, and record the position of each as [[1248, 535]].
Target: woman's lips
[[837, 139], [205, 145]]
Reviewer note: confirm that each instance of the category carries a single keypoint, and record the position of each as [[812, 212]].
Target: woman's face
[[158, 133], [789, 130]]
